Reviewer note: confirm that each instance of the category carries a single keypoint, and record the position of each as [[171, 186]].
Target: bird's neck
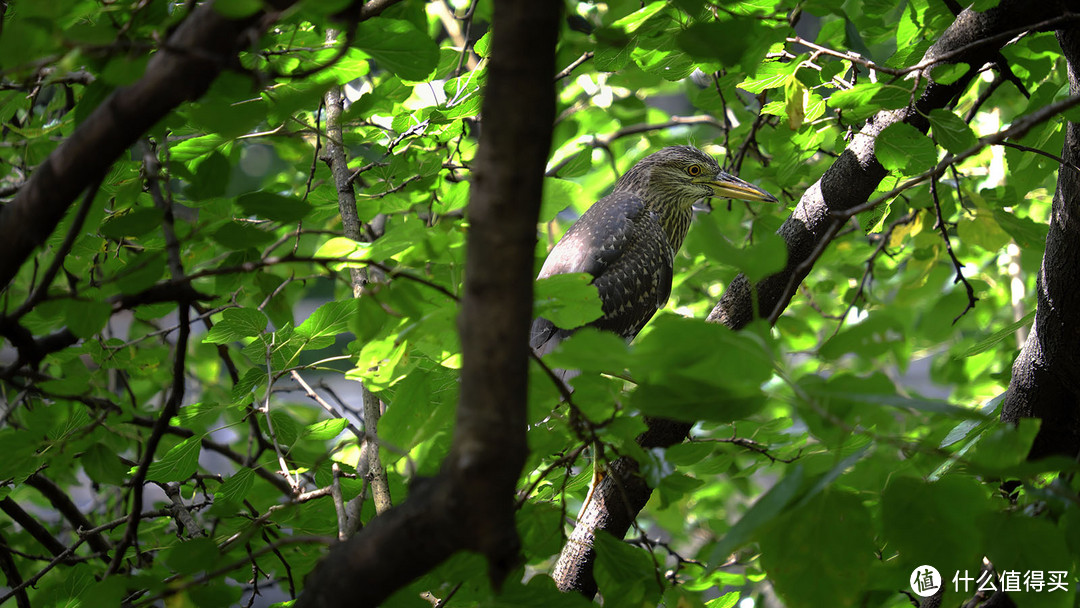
[[675, 219]]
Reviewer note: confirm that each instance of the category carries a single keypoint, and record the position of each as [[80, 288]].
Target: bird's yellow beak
[[725, 185]]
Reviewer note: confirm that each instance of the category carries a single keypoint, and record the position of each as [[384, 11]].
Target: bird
[[628, 240]]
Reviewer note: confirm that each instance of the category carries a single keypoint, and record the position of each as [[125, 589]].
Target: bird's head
[[683, 175]]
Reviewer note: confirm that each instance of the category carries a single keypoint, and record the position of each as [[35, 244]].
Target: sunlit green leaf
[[901, 147], [567, 300], [236, 323], [178, 464], [951, 132], [398, 46]]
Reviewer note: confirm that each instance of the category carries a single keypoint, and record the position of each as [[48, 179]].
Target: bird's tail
[[543, 339], [545, 336]]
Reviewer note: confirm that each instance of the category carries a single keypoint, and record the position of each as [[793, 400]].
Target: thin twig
[[869, 272], [1055, 157], [61, 252], [310, 392], [587, 55], [941, 225], [176, 391], [209, 576]]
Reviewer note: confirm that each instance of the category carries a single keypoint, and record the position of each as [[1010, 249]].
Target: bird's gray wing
[[618, 241]]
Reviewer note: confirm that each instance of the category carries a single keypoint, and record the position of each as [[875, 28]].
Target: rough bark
[[1046, 375], [469, 505], [974, 38]]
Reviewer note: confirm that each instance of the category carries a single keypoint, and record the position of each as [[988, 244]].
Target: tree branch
[[1045, 374], [470, 504], [846, 185]]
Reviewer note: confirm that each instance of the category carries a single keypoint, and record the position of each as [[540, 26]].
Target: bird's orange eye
[[694, 170]]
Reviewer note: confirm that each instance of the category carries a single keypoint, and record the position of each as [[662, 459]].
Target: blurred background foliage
[[833, 453]]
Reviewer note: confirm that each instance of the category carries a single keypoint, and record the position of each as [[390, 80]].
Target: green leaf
[[211, 177], [865, 99], [820, 554], [761, 514], [901, 147], [979, 228], [344, 247], [766, 256], [559, 194], [591, 349], [328, 320], [236, 487], [193, 148], [922, 524], [948, 73], [236, 323], [567, 300], [1021, 544], [579, 164], [1025, 231], [795, 100], [225, 115], [624, 573], [634, 21], [951, 131], [736, 42], [103, 465], [965, 428], [398, 46], [237, 9], [241, 235], [325, 429], [178, 464], [728, 600], [773, 75], [193, 556], [86, 319], [273, 206], [286, 430], [136, 222], [1005, 446], [482, 47], [1006, 333]]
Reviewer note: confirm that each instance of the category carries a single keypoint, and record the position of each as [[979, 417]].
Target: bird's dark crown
[[668, 176]]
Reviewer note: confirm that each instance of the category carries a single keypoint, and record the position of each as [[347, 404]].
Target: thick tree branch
[[1046, 375], [470, 504], [63, 503], [848, 183], [853, 177]]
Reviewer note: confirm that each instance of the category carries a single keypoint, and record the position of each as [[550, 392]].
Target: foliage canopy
[[190, 327]]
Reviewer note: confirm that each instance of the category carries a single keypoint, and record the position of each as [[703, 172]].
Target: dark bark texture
[[975, 39], [1046, 374], [470, 504]]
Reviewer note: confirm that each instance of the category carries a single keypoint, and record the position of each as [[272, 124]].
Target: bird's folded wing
[[598, 238], [621, 243]]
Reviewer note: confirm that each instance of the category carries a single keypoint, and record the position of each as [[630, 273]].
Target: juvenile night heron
[[628, 240]]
